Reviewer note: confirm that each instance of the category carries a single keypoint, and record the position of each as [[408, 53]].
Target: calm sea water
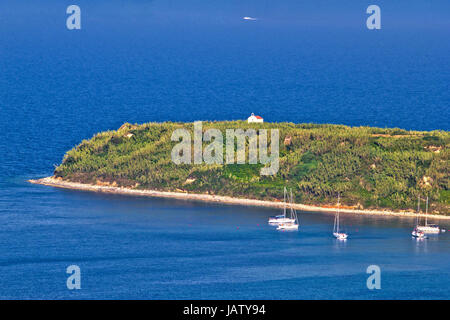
[[142, 61], [163, 249]]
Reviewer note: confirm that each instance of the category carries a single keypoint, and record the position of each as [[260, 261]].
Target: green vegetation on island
[[369, 167]]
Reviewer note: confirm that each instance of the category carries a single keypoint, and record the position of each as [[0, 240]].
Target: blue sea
[[139, 61]]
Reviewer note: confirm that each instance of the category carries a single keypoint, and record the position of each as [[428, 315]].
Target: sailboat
[[428, 228], [338, 235], [282, 218], [293, 224], [416, 233]]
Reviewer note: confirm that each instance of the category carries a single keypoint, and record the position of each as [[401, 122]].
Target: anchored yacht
[[418, 234], [282, 218], [427, 228], [293, 224], [336, 233]]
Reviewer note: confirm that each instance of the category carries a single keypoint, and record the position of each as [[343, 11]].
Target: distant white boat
[[249, 18], [293, 224], [282, 218], [336, 233], [418, 234], [288, 226], [277, 220], [426, 228], [430, 228]]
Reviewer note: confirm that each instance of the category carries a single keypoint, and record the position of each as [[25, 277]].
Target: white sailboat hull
[[428, 229], [418, 234], [340, 235], [288, 226], [278, 221]]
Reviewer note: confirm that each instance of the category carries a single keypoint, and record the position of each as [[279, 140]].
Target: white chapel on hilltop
[[256, 119]]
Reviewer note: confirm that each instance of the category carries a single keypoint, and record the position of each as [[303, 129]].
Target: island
[[374, 170]]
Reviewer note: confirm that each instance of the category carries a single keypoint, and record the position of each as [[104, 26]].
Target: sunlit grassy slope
[[369, 167]]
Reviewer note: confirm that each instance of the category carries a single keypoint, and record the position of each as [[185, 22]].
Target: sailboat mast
[[339, 206], [426, 213], [284, 211], [334, 226], [292, 216], [293, 213], [418, 210]]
